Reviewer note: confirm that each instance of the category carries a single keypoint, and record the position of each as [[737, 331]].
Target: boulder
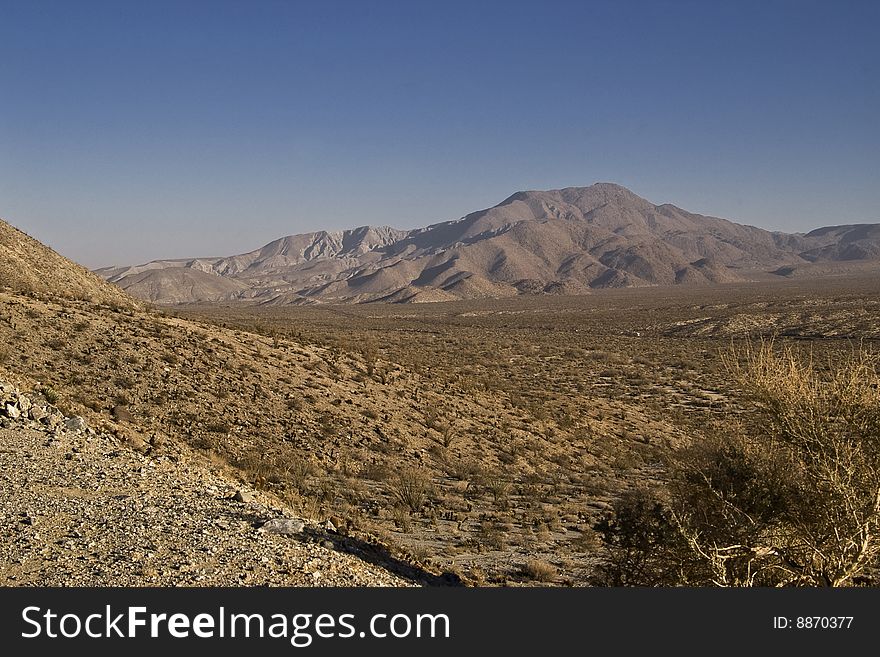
[[137, 443], [37, 412], [245, 497]]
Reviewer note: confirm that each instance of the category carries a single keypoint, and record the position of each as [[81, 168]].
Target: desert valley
[[573, 387]]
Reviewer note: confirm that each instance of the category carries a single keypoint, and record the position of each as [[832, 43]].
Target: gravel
[[81, 509]]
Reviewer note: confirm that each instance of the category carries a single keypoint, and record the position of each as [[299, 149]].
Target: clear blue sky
[[146, 129]]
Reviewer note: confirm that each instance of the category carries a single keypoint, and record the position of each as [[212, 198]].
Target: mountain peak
[[606, 190]]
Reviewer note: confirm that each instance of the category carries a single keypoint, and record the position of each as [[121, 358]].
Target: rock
[[53, 417], [340, 525], [12, 411], [121, 414], [157, 441], [75, 423], [137, 443], [24, 404], [245, 497], [283, 526], [37, 412], [330, 527]]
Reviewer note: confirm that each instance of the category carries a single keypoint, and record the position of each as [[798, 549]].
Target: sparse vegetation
[[411, 488], [792, 497], [525, 420]]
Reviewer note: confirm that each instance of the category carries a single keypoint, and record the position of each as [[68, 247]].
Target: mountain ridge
[[571, 240]]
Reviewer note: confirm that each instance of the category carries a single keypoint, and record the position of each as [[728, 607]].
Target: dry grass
[[523, 420], [789, 496], [540, 571]]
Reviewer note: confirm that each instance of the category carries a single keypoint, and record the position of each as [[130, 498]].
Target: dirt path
[[79, 509]]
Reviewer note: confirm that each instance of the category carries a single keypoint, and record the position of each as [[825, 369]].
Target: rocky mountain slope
[[155, 451], [844, 243], [568, 241], [28, 266]]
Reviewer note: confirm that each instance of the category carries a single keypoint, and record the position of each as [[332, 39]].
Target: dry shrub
[[789, 497], [411, 488], [540, 571]]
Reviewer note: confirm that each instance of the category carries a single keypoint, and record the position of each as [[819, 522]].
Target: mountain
[[28, 266], [180, 284], [841, 243], [565, 241]]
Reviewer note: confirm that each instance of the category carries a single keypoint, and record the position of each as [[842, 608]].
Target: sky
[[133, 130]]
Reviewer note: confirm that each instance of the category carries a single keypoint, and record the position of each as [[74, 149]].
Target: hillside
[[566, 241], [393, 463], [194, 447], [180, 284], [105, 516], [844, 243], [28, 266]]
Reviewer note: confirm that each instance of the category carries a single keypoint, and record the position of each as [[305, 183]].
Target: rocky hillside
[[401, 460], [567, 241], [28, 266], [81, 509], [156, 452], [844, 243], [181, 284]]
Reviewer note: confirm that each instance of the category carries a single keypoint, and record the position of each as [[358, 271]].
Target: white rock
[[245, 497], [284, 526], [75, 423]]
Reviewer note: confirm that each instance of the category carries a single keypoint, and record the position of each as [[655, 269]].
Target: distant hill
[[842, 243], [28, 266], [565, 241]]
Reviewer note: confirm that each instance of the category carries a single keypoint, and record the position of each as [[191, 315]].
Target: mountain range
[[564, 241]]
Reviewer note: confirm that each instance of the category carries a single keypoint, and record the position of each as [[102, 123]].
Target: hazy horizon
[[136, 132]]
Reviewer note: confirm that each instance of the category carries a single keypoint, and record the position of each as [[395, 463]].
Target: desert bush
[[218, 426], [296, 469], [50, 394], [448, 434], [642, 542], [56, 344], [498, 487], [792, 498], [540, 571], [492, 534], [411, 488], [464, 469]]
